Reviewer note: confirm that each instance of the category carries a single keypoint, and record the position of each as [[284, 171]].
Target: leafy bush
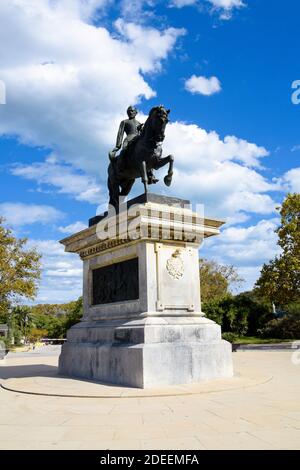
[[231, 337], [293, 309], [256, 311], [213, 310], [5, 342], [283, 328], [239, 314]]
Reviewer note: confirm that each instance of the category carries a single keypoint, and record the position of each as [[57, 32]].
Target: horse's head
[[157, 120]]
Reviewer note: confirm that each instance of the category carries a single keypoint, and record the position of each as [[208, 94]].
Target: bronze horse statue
[[142, 155]]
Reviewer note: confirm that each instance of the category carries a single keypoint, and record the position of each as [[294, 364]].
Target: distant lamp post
[[26, 318], [10, 326]]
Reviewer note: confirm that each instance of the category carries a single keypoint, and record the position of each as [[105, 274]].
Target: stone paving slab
[[261, 416]]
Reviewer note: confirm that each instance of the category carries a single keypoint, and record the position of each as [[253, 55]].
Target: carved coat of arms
[[175, 266]]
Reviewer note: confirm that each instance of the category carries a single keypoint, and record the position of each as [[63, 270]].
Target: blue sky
[[224, 67]]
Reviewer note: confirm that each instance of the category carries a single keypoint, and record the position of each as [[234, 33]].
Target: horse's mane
[[159, 108]]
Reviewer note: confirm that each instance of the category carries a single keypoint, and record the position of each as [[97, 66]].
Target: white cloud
[[219, 173], [238, 218], [246, 248], [202, 85], [250, 202], [63, 177], [227, 4], [292, 180], [197, 148], [84, 9], [62, 273], [69, 90], [147, 46], [18, 214], [137, 10], [263, 230], [182, 3], [295, 148], [244, 245], [73, 228], [224, 7]]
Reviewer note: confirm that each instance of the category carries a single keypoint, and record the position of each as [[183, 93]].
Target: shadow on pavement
[[32, 370]]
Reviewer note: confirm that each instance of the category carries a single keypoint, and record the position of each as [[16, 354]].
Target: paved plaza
[[258, 409]]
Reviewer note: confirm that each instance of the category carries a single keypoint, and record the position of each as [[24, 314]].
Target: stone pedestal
[[142, 324]]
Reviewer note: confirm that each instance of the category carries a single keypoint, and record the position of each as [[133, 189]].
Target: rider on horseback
[[132, 128]]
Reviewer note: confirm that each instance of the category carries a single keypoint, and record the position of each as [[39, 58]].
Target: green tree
[[19, 269], [293, 309], [256, 312], [21, 321], [75, 314], [280, 278], [282, 328], [216, 280], [54, 325], [35, 334], [229, 314], [56, 318], [240, 315]]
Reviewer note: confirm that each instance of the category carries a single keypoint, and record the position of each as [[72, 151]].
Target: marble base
[[142, 324], [147, 353]]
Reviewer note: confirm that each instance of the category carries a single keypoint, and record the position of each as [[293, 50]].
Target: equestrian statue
[[141, 153]]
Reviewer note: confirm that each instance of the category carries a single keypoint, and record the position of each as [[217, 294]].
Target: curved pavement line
[[158, 395]]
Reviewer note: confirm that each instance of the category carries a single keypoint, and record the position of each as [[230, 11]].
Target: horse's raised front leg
[[162, 162], [144, 176], [168, 177]]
